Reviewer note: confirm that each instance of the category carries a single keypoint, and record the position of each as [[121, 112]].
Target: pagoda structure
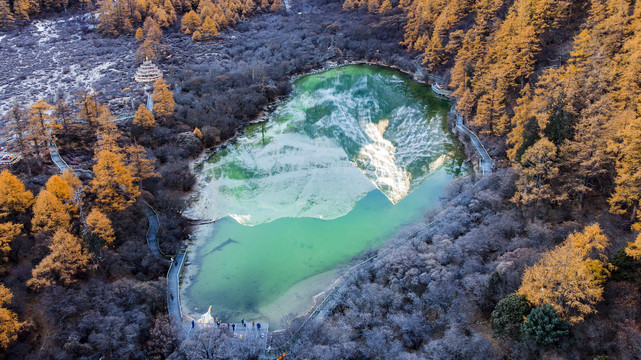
[[147, 72]]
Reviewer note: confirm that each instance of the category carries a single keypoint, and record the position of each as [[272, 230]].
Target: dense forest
[[541, 259]]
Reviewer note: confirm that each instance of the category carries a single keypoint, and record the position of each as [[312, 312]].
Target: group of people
[[232, 325]]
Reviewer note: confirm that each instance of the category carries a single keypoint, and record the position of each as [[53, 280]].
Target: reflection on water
[[309, 160], [338, 168]]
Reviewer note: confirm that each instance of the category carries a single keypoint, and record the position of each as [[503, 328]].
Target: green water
[[354, 154]]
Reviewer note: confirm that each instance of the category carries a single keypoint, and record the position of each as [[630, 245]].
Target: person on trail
[[258, 326], [233, 327], [192, 324], [243, 323], [176, 262], [252, 323]]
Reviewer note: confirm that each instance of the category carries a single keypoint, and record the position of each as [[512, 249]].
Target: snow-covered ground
[[57, 58]]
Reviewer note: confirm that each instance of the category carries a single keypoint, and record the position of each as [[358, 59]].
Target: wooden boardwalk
[[441, 91], [63, 166], [152, 231], [184, 322], [173, 288], [57, 159], [486, 164], [175, 266], [238, 331]]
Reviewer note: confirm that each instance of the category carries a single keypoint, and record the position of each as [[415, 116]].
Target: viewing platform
[[441, 91], [248, 332]]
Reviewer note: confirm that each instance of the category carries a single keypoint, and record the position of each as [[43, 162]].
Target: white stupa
[[147, 72], [206, 317]]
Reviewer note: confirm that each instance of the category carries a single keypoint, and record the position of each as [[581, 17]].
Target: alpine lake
[[349, 158]]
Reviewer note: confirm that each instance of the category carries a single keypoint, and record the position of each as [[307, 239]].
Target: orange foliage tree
[[138, 163], [190, 22], [66, 261], [6, 17], [8, 232], [163, 100], [9, 324], [144, 118], [63, 191], [570, 277], [49, 213], [40, 126], [113, 184], [13, 196], [100, 226]]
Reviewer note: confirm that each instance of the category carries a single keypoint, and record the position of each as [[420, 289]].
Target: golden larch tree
[[107, 138], [114, 17], [59, 188], [64, 191], [277, 6], [373, 6], [21, 9], [160, 16], [153, 32], [538, 169], [13, 196], [634, 248], [627, 192], [49, 213], [144, 118], [139, 35], [8, 232], [198, 133], [163, 100], [206, 8], [385, 7], [62, 114], [71, 179], [18, 124], [100, 226], [89, 109], [151, 46], [67, 260], [190, 22], [113, 184], [347, 5], [209, 29], [585, 159], [169, 9], [569, 277], [40, 126], [6, 17], [9, 324], [139, 164]]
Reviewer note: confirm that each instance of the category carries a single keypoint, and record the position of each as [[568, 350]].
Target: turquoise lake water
[[354, 154]]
